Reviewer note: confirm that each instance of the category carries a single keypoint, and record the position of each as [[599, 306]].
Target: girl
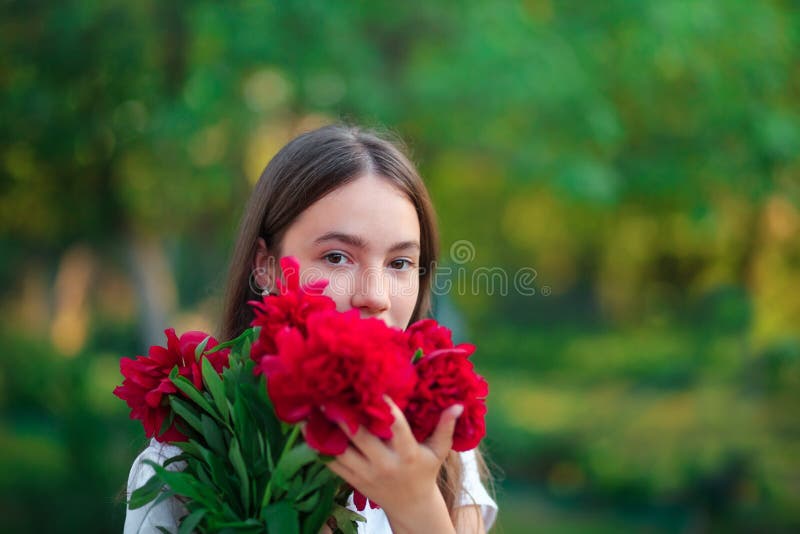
[[350, 206]]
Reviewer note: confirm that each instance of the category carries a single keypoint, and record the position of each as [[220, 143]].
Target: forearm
[[428, 515]]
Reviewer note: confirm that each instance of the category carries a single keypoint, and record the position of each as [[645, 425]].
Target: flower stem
[[289, 444]]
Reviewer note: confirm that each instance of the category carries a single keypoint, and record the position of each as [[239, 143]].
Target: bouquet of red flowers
[[235, 409]]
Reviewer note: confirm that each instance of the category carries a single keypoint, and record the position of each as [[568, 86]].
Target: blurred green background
[[641, 156]]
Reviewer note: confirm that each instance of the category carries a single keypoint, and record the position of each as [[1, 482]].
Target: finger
[[441, 440], [343, 471], [353, 460], [402, 437], [371, 447]]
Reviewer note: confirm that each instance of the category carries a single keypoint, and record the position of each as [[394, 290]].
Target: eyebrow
[[359, 242]]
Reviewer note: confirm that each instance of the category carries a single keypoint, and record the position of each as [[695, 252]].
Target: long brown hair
[[306, 169]]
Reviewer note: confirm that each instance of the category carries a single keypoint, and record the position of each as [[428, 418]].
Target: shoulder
[[166, 513], [474, 492]]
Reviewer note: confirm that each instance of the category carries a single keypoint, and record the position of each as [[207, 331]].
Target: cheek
[[404, 299], [337, 288], [340, 288]]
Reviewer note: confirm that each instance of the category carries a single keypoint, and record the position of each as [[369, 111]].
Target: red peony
[[146, 386], [429, 336], [360, 501], [446, 377], [290, 308], [339, 373]]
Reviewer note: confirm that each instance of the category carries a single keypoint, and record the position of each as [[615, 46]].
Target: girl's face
[[364, 237]]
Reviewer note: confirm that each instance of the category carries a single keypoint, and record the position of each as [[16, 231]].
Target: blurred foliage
[[642, 157]]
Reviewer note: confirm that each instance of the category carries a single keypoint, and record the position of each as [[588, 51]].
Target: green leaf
[[281, 518], [235, 341], [219, 472], [290, 463], [313, 523], [238, 527], [202, 471], [264, 450], [212, 435], [235, 456], [146, 493], [191, 521], [417, 355], [182, 457], [214, 384], [201, 347], [294, 489], [196, 396], [346, 519], [246, 344], [309, 503], [242, 424], [261, 411], [182, 483], [192, 448], [317, 480], [186, 412], [163, 496], [167, 422]]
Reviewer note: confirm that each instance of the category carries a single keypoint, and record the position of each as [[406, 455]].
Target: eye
[[335, 258], [401, 264]]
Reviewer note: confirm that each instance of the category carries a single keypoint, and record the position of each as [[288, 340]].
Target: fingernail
[[457, 410]]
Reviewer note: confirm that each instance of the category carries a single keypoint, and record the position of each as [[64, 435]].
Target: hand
[[400, 474]]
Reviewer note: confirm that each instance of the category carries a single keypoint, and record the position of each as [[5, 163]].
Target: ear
[[264, 265]]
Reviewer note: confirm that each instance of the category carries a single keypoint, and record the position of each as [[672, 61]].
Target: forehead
[[370, 207]]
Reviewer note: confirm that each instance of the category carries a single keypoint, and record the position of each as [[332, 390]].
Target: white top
[[166, 514]]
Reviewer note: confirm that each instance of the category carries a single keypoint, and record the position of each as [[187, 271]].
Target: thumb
[[441, 440]]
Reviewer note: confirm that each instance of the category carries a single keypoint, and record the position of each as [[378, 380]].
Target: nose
[[371, 293]]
